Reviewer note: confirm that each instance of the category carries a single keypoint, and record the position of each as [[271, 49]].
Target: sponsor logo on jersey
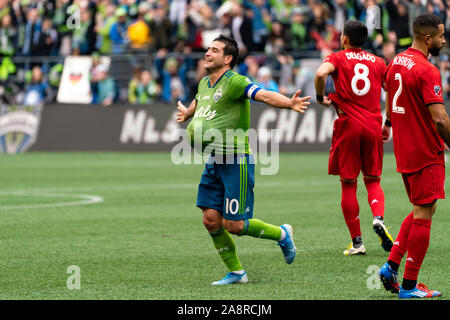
[[205, 112]]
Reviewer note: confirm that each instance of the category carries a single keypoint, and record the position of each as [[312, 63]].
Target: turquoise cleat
[[420, 291], [231, 278], [287, 245]]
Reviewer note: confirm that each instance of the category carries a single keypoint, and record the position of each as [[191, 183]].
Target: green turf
[[146, 239]]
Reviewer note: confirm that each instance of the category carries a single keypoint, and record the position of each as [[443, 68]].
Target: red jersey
[[413, 83], [358, 77]]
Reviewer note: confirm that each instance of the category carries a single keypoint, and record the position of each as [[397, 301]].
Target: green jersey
[[222, 117]]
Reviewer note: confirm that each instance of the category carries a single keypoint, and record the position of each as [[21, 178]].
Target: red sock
[[401, 242], [418, 241], [375, 195], [350, 208]]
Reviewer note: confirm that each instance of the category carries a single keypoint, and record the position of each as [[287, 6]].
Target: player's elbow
[[320, 74]]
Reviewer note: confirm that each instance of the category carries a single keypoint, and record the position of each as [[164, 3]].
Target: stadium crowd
[[174, 33]]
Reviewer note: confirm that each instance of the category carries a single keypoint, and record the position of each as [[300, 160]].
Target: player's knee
[[372, 179], [233, 227], [211, 225], [348, 181], [212, 221]]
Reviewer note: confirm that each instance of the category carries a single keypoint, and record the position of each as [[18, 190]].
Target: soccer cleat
[[389, 278], [287, 244], [231, 278], [420, 291], [351, 250], [382, 232]]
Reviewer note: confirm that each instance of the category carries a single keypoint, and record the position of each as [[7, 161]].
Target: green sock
[[259, 229], [226, 248]]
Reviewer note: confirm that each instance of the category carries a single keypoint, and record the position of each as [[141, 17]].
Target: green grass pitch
[[146, 240]]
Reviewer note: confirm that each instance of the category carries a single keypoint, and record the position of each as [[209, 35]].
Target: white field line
[[85, 199]]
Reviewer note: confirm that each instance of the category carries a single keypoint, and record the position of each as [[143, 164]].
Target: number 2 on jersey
[[395, 107], [361, 73]]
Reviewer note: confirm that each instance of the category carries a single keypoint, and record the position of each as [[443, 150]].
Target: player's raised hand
[[299, 104], [182, 116]]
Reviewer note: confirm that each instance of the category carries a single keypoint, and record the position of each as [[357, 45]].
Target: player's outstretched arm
[[441, 121], [320, 81], [186, 113], [278, 100]]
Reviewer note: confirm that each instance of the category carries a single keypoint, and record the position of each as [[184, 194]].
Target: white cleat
[[351, 251]]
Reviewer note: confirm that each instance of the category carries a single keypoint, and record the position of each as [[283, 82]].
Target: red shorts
[[354, 149], [425, 186]]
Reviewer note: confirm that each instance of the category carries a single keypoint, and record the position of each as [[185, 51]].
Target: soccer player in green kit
[[225, 192]]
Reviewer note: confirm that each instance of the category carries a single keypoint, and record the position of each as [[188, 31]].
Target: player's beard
[[213, 67], [435, 49]]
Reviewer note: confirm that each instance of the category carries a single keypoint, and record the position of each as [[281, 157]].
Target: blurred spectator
[[48, 39], [388, 52], [416, 8], [304, 80], [299, 28], [54, 79], [327, 40], [173, 76], [249, 67], [265, 80], [132, 85], [8, 36], [399, 22], [139, 30], [279, 39], [444, 67], [118, 31], [199, 17], [318, 22], [257, 13], [32, 32], [177, 12], [199, 74], [281, 9], [341, 13], [147, 90], [447, 20], [7, 69], [224, 24], [160, 27], [106, 88], [285, 81], [241, 28], [104, 23], [36, 90], [84, 37], [95, 74]]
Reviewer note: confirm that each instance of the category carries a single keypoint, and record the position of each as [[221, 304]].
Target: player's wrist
[[388, 123], [319, 98]]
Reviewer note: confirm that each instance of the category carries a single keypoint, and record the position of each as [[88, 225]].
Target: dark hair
[[231, 48], [357, 33], [426, 24]]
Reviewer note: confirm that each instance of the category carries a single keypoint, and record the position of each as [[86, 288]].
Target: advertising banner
[[154, 127]]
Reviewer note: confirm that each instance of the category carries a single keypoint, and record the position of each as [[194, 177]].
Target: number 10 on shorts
[[231, 206]]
